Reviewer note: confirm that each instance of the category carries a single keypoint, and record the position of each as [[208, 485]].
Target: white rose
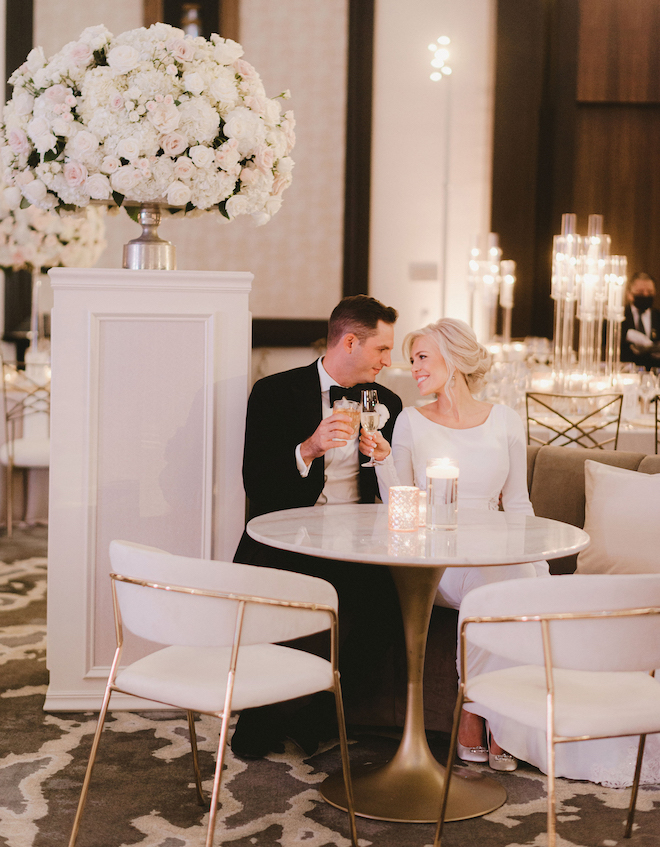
[[173, 144], [383, 414], [285, 166], [237, 205], [98, 187], [178, 194], [164, 117], [264, 159], [75, 174], [182, 49], [184, 168], [37, 127], [80, 53], [56, 94], [35, 192], [110, 164], [194, 83], [202, 156], [84, 143], [125, 179], [35, 59], [18, 141], [22, 101], [12, 197], [129, 149], [45, 142], [115, 100], [123, 59], [227, 51]]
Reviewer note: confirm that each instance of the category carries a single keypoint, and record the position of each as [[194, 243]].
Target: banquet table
[[407, 788]]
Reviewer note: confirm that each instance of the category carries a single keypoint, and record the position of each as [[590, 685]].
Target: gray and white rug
[[142, 792]]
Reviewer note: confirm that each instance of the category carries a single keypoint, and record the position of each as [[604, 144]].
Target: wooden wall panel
[[617, 174], [619, 59]]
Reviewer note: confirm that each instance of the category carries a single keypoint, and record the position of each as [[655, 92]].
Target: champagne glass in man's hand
[[369, 417]]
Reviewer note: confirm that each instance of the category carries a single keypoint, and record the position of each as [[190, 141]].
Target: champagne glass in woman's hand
[[369, 417]]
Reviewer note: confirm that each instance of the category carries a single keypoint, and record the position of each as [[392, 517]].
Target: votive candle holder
[[403, 509]]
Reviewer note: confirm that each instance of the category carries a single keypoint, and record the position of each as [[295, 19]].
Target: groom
[[298, 453]]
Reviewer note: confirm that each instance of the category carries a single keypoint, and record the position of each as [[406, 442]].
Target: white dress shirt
[[341, 463]]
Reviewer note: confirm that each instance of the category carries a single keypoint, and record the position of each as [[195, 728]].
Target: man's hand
[[334, 431]]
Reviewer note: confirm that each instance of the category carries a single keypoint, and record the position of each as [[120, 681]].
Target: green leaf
[[118, 198], [124, 161], [33, 159], [189, 207], [222, 208], [133, 213], [68, 207], [100, 57], [24, 203]]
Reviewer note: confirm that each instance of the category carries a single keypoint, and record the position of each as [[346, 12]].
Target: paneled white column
[[149, 388]]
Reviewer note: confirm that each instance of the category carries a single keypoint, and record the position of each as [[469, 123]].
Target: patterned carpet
[[142, 791]]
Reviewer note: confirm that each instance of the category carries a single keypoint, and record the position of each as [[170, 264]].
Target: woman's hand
[[373, 444]]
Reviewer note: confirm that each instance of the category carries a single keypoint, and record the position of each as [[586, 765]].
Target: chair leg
[[217, 776], [451, 758], [552, 835], [635, 787], [90, 765], [345, 761], [195, 758], [10, 498]]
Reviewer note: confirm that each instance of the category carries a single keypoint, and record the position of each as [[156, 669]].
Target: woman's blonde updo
[[458, 346]]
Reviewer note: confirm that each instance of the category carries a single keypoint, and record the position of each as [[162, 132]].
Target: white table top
[[359, 533]]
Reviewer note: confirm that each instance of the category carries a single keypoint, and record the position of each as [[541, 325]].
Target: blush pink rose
[[75, 173]]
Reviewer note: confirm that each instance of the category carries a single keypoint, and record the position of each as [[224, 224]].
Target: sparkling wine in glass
[[369, 417]]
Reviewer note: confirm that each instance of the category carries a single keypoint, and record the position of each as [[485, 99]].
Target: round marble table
[[407, 788]]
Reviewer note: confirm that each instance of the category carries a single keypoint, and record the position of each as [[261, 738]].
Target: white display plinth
[[150, 375]]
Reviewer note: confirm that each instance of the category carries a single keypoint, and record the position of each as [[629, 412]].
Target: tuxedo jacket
[[283, 411], [627, 354]]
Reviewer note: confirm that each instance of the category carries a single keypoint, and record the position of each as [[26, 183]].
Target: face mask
[[642, 303]]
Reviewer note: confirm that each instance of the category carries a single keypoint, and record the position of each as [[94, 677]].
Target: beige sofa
[[556, 485]]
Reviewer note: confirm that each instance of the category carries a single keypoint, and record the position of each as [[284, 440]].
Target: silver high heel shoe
[[499, 761], [471, 754]]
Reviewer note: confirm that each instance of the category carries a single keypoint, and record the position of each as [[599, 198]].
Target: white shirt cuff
[[303, 469]]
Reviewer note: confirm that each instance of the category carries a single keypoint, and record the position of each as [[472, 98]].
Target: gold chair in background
[[580, 419], [220, 635], [26, 401]]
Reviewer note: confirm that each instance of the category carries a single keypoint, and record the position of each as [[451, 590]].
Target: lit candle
[[442, 493]]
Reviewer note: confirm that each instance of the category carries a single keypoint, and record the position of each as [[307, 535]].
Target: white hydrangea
[[148, 115], [32, 238]]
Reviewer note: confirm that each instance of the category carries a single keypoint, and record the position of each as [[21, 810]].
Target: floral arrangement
[[33, 238], [152, 115]]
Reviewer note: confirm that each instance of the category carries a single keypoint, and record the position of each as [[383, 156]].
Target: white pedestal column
[[149, 388]]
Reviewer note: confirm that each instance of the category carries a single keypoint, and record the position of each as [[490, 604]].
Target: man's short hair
[[360, 315], [639, 275]]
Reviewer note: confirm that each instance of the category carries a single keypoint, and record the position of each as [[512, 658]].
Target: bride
[[488, 442]]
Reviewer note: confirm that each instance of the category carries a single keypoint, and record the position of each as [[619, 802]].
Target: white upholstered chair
[[26, 403], [583, 650], [219, 624]]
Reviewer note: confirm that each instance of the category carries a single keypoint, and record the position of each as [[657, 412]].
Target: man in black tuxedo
[[640, 330], [298, 453]]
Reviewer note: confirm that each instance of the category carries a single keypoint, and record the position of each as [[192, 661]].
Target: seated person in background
[[488, 442], [298, 453], [640, 330]]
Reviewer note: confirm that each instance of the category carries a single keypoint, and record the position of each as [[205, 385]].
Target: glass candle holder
[[422, 508], [403, 509], [441, 493]]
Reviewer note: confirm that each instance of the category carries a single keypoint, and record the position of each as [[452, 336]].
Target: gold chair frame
[[35, 399], [242, 600], [581, 431], [551, 738]]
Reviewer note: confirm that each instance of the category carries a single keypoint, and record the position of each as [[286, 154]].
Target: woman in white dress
[[488, 442]]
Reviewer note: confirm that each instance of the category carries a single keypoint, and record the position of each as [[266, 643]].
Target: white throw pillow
[[622, 517]]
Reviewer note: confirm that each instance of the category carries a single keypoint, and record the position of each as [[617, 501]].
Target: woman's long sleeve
[[515, 497]]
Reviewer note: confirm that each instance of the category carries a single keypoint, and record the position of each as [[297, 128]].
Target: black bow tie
[[337, 392]]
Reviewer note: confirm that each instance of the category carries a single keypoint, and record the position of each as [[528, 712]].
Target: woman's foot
[[471, 745], [499, 759]]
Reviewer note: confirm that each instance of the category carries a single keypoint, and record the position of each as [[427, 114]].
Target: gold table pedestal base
[[390, 793]]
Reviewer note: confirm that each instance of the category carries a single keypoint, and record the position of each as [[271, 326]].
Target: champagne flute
[[369, 417], [647, 390]]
